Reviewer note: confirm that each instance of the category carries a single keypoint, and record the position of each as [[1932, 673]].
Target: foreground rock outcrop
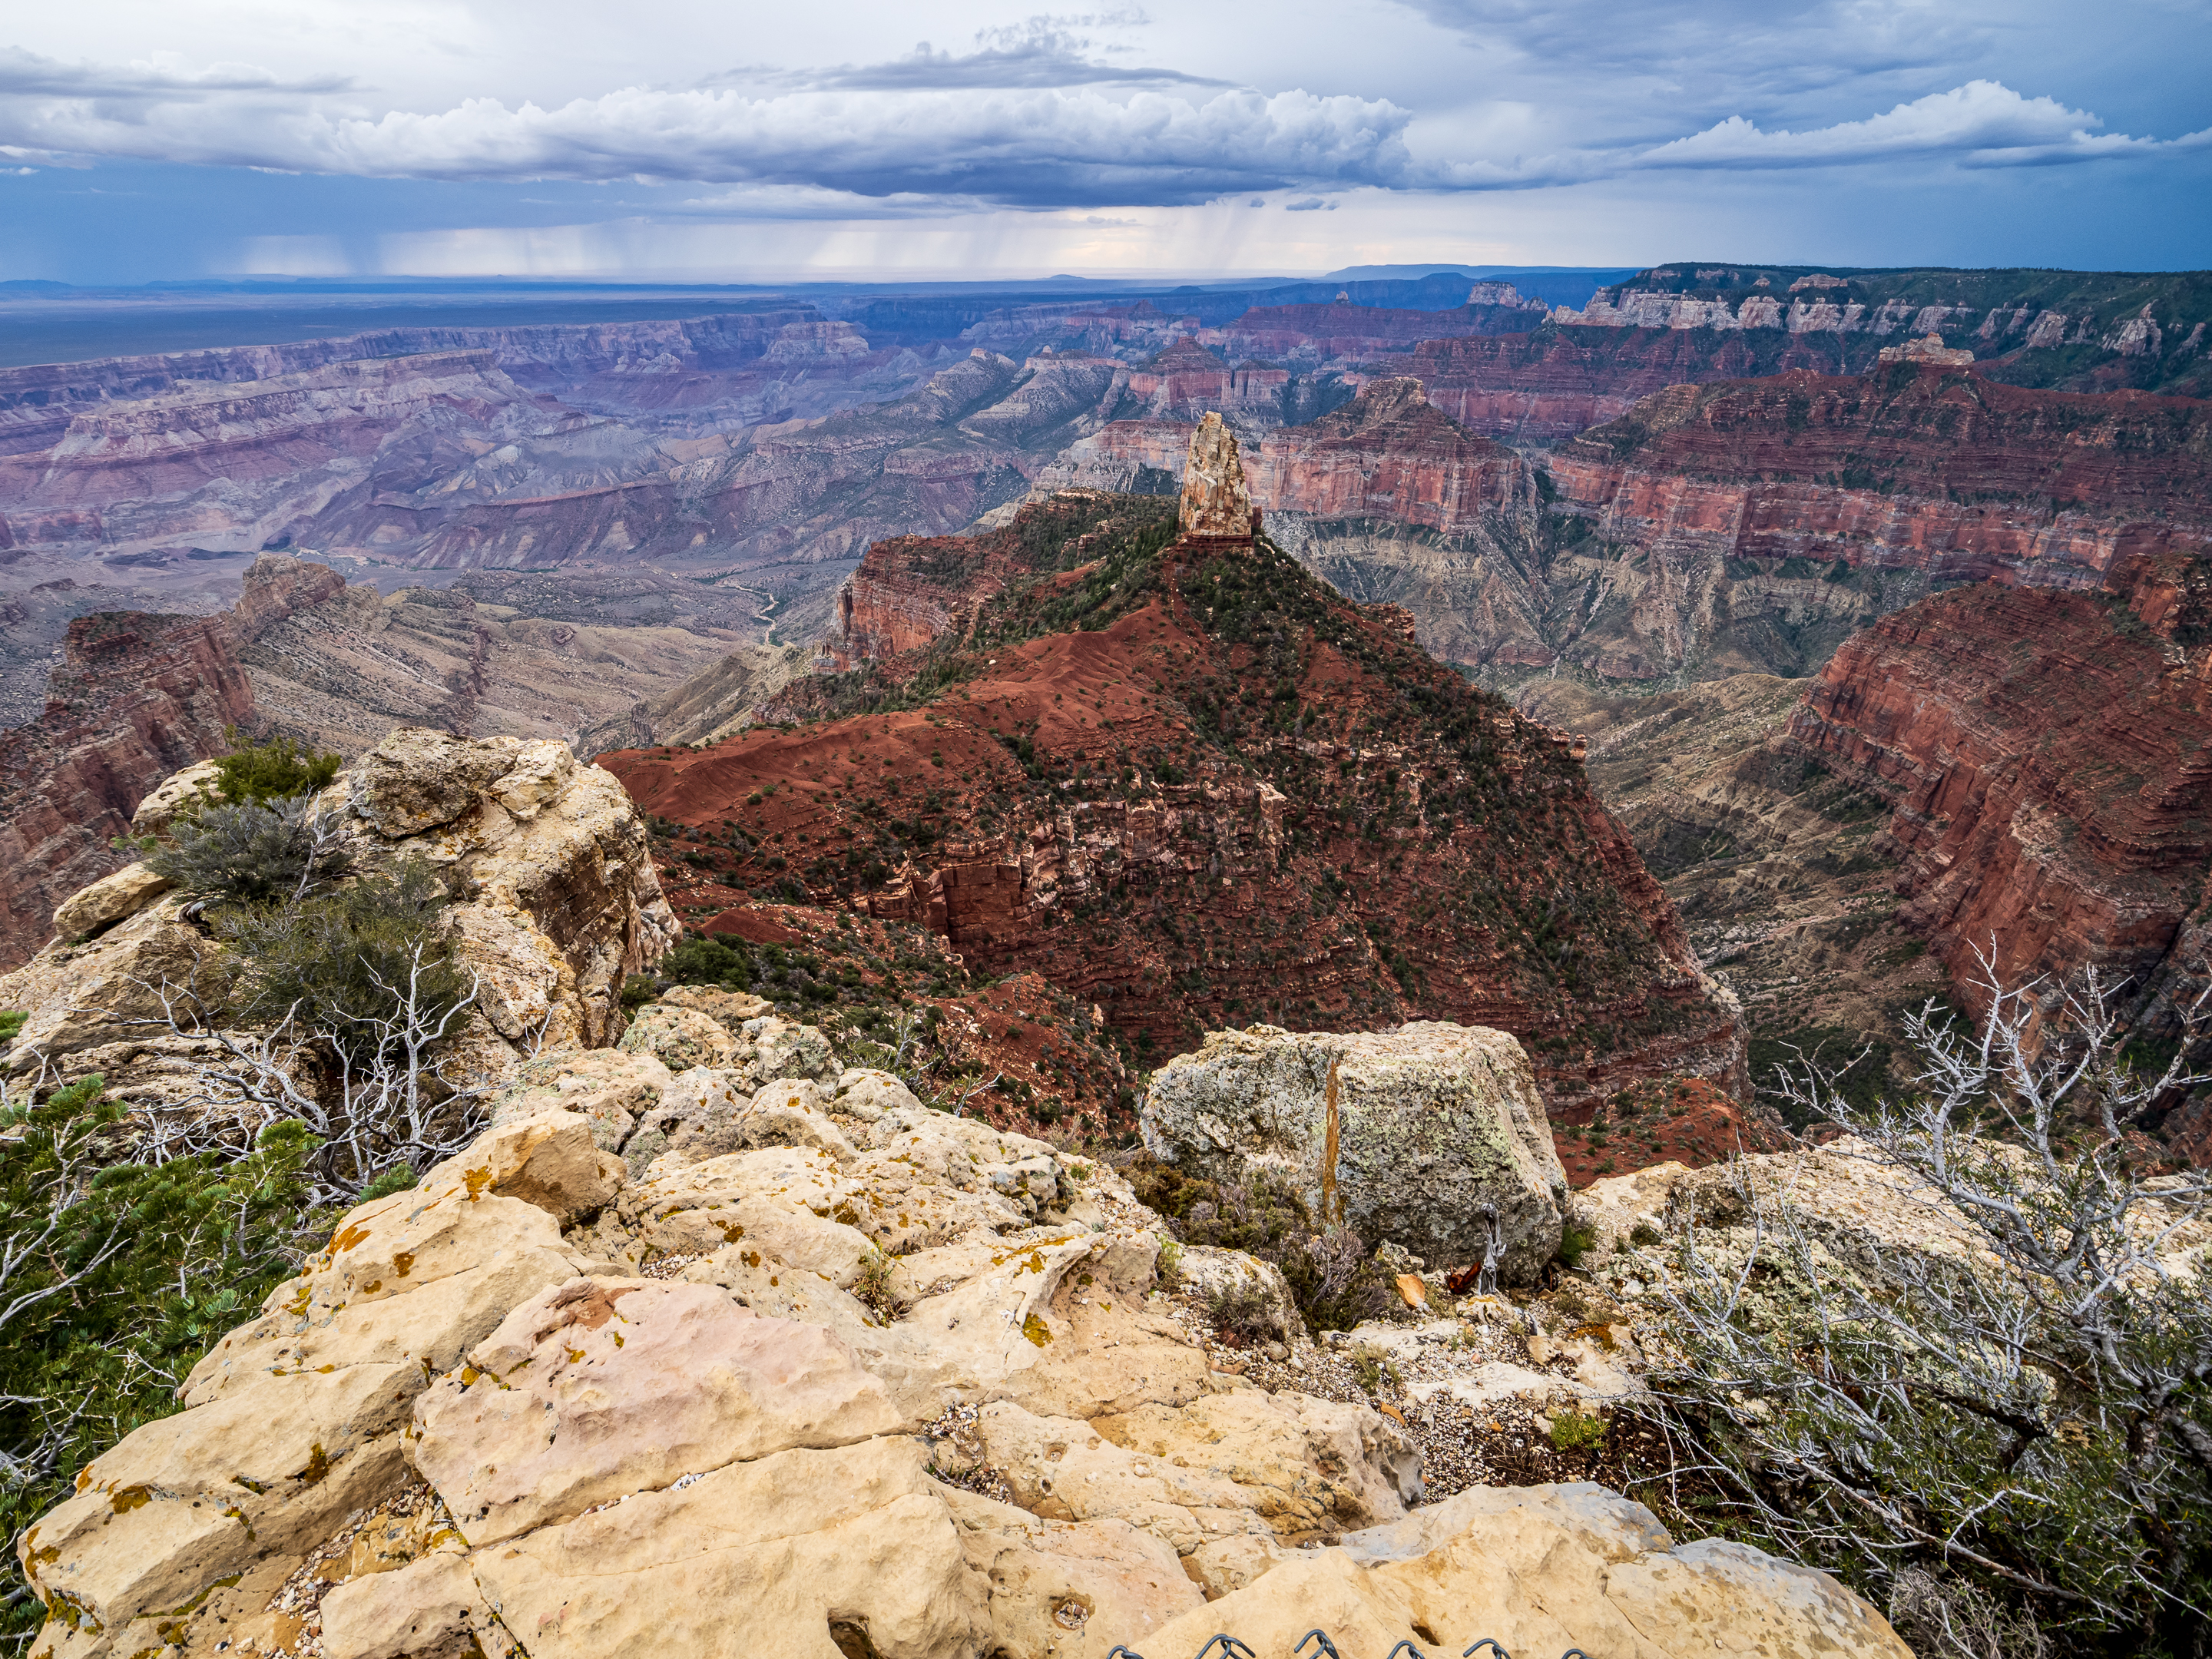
[[555, 901], [840, 1375], [1418, 1137]]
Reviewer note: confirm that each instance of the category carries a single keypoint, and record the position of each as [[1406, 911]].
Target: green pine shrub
[[115, 1278], [250, 852]]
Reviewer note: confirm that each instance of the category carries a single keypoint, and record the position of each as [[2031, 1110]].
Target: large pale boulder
[[116, 987], [1542, 1569], [177, 794], [605, 1387], [1074, 1589], [804, 1554], [428, 1609], [1241, 1462], [609, 1089], [107, 901], [418, 1277], [1410, 1137]]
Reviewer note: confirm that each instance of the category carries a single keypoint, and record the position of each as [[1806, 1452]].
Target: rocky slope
[[136, 698], [666, 1348], [1779, 862], [1191, 785], [554, 903], [1913, 466]]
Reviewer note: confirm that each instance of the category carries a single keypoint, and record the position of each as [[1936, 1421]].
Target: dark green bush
[[275, 770], [702, 959], [341, 962], [1575, 1239], [249, 853], [140, 1269]]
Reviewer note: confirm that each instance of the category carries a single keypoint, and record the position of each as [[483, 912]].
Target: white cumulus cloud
[[1983, 122]]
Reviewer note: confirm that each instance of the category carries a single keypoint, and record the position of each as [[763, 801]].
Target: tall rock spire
[[1216, 506]]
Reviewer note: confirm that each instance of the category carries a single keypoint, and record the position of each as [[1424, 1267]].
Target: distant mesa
[[1217, 503], [1927, 349]]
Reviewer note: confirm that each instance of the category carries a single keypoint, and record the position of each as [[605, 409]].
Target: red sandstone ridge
[[1555, 382], [1389, 454], [136, 696], [1192, 785], [2050, 757], [1911, 466]]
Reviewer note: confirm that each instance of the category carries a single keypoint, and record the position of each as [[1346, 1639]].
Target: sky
[[698, 140]]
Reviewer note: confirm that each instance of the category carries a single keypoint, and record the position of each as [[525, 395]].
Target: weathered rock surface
[[1929, 467], [556, 900], [752, 1440], [1390, 453], [1216, 503], [1544, 1568], [1404, 1136]]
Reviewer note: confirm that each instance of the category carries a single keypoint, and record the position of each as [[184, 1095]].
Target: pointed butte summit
[[1217, 508]]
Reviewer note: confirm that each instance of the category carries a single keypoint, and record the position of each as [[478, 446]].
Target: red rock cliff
[[2050, 757], [1389, 454], [136, 696], [1924, 467]]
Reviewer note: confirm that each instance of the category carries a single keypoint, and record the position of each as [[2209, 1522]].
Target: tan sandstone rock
[[412, 1280], [556, 900], [112, 989], [1216, 500], [187, 1499], [1542, 1569], [602, 1388], [107, 902], [428, 1609], [1074, 1589], [609, 1089], [768, 1559]]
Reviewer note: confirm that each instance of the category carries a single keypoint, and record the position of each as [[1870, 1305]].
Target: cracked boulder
[[1414, 1137]]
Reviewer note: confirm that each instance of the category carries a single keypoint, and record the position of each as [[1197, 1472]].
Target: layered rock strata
[[1918, 466], [2049, 759], [1191, 785]]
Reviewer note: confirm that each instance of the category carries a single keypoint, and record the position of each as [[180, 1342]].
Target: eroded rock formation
[[1216, 504], [1922, 467], [847, 1374], [1191, 785], [136, 698], [555, 901]]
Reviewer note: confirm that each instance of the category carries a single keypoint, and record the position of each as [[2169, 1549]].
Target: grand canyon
[[1104, 771]]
